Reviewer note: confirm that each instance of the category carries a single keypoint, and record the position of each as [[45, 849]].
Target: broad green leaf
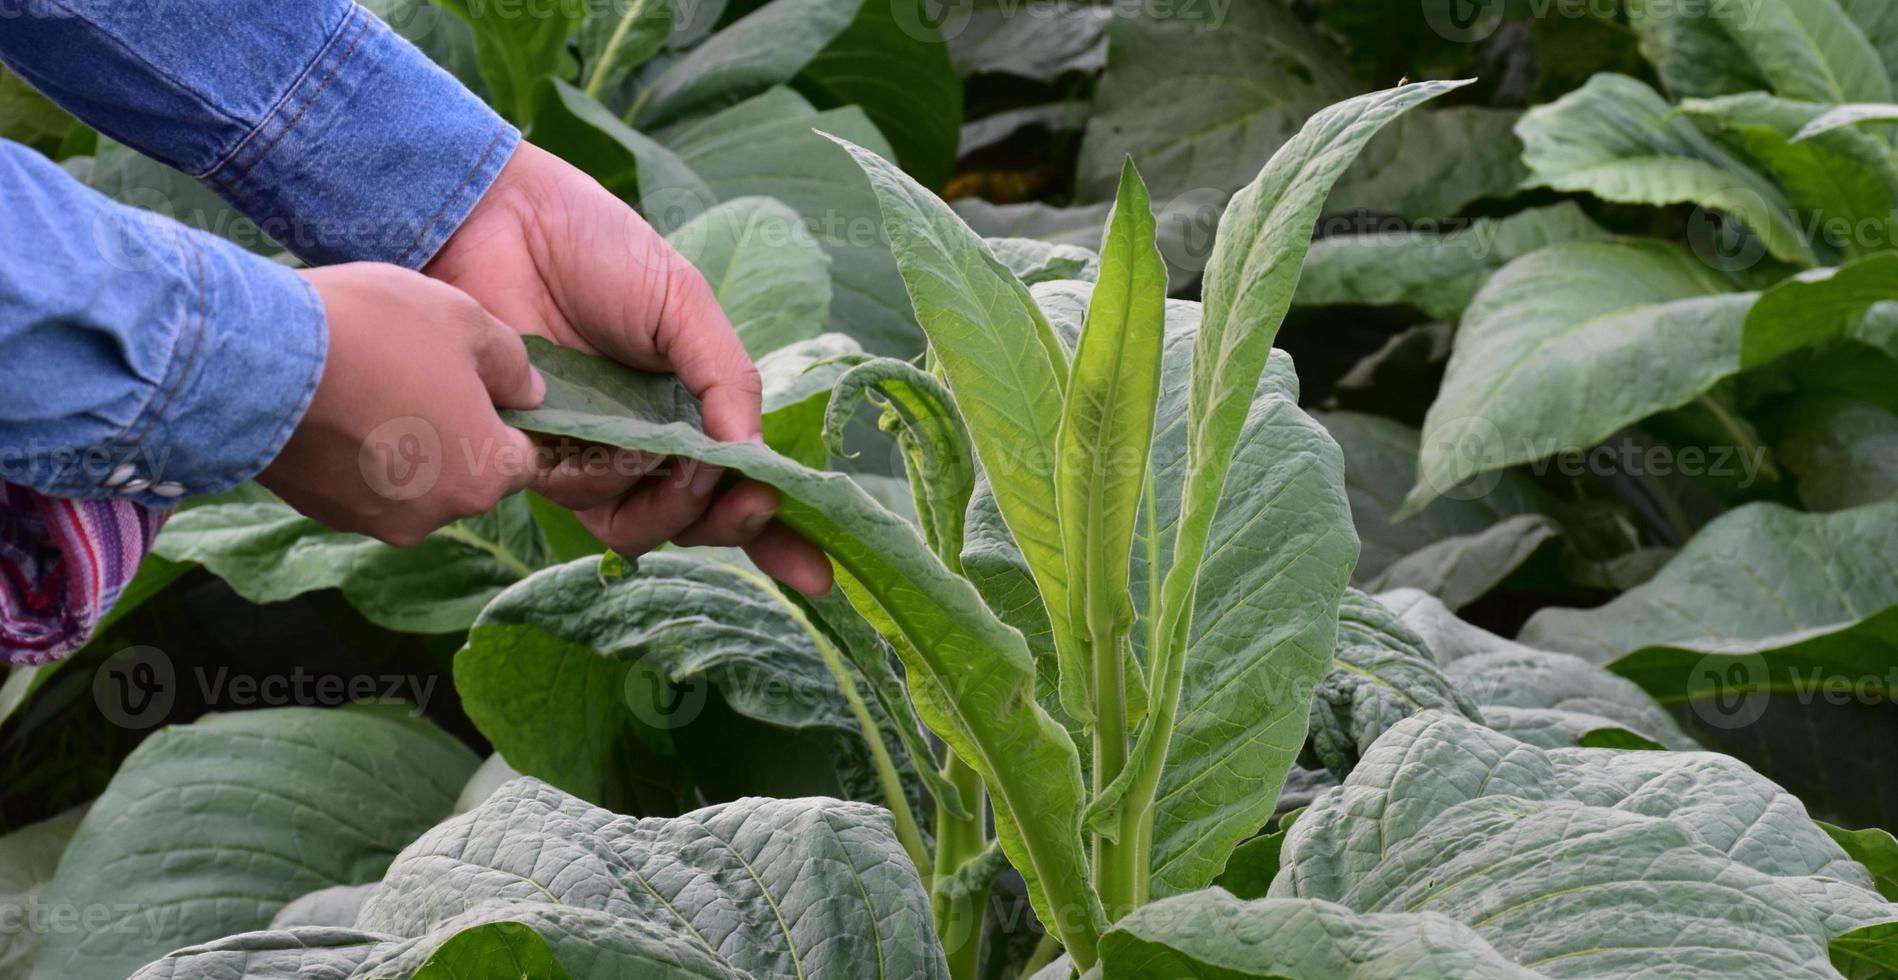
[[1460, 546], [771, 277], [268, 553], [1257, 73], [1551, 700], [586, 134], [1583, 862], [517, 45], [766, 47], [615, 38], [28, 858], [442, 35], [892, 63], [758, 888], [496, 951], [1867, 953], [1841, 116], [1800, 49], [1873, 848], [560, 668], [1878, 20], [1843, 452], [1618, 140], [209, 828], [995, 39], [1033, 261], [1079, 225], [972, 677], [1816, 305], [1101, 451], [129, 177], [335, 906], [765, 146], [1843, 184], [1006, 368], [930, 434], [1434, 162], [1381, 673], [1436, 272], [1214, 935], [1775, 631], [1566, 346]]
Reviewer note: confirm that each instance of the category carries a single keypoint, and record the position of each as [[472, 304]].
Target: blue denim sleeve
[[138, 357], [337, 137]]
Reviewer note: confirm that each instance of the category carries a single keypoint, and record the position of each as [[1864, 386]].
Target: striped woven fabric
[[63, 564]]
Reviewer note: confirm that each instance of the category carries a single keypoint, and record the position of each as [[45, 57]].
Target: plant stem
[[1745, 443], [611, 54], [1113, 873], [457, 532], [1044, 953], [957, 842]]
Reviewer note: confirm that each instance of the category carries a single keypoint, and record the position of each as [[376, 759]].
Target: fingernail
[[705, 481], [755, 521], [539, 387]]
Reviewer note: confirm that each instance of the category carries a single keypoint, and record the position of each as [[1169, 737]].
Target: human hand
[[411, 362], [551, 252]]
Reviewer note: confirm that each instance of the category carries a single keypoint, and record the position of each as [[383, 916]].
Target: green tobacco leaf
[[1799, 49], [766, 47], [496, 951], [757, 888], [891, 62], [129, 177], [1555, 858], [1215, 935], [1868, 953], [441, 34], [930, 434], [1550, 700], [335, 906], [1460, 546], [1033, 261], [1841, 116], [586, 134], [1079, 225], [268, 553], [518, 45], [1568, 345], [1615, 138], [1433, 162], [1005, 366], [1816, 305], [615, 38], [1435, 272], [209, 828], [798, 381], [1101, 451], [1844, 452], [1257, 73], [28, 858], [559, 668], [1775, 631], [771, 277], [1843, 183], [1054, 42], [1381, 673], [1873, 848], [972, 677], [765, 146]]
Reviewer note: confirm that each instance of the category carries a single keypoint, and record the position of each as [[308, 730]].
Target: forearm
[[337, 137], [139, 359]]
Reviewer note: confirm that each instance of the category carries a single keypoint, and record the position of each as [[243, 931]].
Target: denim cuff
[[249, 347], [375, 154]]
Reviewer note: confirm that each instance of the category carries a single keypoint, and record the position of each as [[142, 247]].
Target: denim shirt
[[141, 360]]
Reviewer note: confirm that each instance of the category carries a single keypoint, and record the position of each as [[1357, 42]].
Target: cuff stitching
[[454, 195], [227, 182]]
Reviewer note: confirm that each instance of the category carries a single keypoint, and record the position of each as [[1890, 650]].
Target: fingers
[[697, 340], [734, 519], [655, 512], [594, 476], [781, 554], [501, 361]]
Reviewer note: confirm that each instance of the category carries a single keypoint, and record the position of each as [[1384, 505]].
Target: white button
[[168, 489], [131, 487], [124, 472]]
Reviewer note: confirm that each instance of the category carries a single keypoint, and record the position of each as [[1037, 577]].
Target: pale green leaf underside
[[771, 277]]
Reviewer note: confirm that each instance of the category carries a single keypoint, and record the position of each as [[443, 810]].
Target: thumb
[[501, 361]]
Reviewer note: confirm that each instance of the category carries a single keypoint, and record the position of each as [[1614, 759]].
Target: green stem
[[1113, 871], [1045, 951], [457, 532], [1741, 440], [957, 842], [598, 77]]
